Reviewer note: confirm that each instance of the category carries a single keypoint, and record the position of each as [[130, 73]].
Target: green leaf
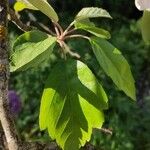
[[114, 65], [30, 49], [92, 12], [145, 23], [90, 27], [23, 4], [46, 8], [72, 104]]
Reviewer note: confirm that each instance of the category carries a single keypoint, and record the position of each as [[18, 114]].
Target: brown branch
[[18, 22], [3, 144], [5, 115]]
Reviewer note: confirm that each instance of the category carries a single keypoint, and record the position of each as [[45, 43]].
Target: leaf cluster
[[73, 100]]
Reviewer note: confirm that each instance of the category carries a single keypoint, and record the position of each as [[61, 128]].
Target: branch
[[5, 115], [18, 22], [2, 139], [39, 25]]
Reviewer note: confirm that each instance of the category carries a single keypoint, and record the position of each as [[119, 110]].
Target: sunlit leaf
[[72, 104], [46, 8], [92, 12], [114, 65], [23, 4], [30, 49]]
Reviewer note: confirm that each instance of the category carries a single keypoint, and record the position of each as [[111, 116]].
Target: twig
[[71, 31], [76, 36], [66, 31], [38, 24], [71, 53], [46, 29], [57, 26], [57, 31], [107, 131], [18, 22]]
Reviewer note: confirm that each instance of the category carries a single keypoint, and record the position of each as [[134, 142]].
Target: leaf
[[145, 23], [46, 8], [23, 4], [72, 104], [92, 12], [114, 65], [90, 27], [30, 49]]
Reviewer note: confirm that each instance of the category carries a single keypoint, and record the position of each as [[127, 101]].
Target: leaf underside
[[72, 104], [90, 27]]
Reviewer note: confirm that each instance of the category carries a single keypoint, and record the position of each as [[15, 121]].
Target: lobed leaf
[[30, 49], [90, 27], [72, 104], [92, 12], [114, 65]]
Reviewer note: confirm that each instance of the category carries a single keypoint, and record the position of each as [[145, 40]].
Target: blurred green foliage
[[129, 121]]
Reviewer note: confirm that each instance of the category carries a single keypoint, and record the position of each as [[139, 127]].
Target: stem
[[71, 31], [56, 30], [76, 36], [56, 25], [67, 50], [46, 29], [68, 28], [108, 131], [5, 115]]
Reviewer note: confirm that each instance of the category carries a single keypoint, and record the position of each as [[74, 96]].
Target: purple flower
[[11, 1], [14, 102]]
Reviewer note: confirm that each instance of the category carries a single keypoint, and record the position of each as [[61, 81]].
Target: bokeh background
[[128, 120]]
